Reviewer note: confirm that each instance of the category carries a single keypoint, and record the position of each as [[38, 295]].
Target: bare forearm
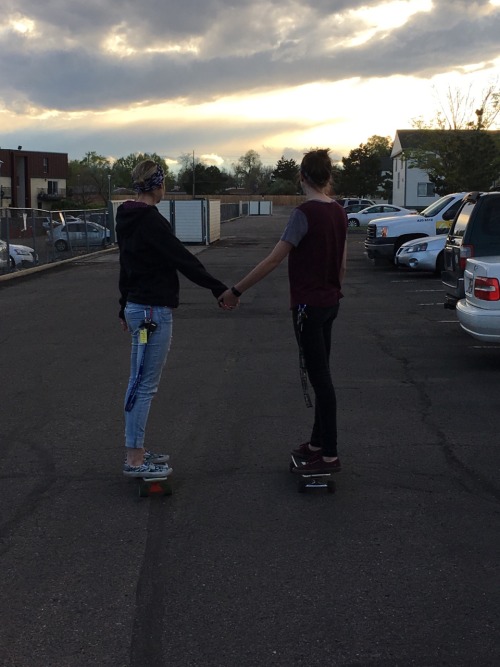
[[262, 269]]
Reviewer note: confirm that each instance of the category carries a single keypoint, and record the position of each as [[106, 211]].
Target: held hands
[[228, 300]]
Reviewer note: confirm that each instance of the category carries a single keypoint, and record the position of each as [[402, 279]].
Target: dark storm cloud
[[221, 47]]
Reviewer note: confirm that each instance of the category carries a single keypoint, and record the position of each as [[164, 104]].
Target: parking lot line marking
[[431, 304], [485, 347], [448, 321], [415, 291]]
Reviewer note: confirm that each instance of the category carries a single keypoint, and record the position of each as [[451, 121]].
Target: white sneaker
[[151, 457], [147, 470]]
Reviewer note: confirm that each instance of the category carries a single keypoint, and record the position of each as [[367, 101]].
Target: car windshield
[[436, 207]]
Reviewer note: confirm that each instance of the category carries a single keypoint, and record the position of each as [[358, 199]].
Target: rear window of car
[[460, 225], [490, 218]]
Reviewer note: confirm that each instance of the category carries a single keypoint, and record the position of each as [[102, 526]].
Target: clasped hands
[[228, 301]]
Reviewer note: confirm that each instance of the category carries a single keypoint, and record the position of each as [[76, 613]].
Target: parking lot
[[398, 568]]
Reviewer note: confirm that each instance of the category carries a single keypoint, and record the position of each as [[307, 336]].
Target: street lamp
[[109, 187]]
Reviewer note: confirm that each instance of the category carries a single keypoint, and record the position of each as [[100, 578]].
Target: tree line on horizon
[[358, 174]]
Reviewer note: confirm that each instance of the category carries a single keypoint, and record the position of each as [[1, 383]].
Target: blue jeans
[[155, 355], [316, 341]]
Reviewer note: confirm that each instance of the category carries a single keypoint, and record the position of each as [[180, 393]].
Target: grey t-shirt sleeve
[[296, 228]]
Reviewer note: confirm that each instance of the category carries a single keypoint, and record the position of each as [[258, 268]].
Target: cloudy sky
[[220, 77]]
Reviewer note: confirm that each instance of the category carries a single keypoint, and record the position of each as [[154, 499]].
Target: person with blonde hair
[[315, 243], [150, 257]]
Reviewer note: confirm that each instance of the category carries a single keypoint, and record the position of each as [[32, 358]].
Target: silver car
[[79, 234], [479, 312], [16, 256], [422, 254]]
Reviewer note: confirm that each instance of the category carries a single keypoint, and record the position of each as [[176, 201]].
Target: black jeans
[[315, 340]]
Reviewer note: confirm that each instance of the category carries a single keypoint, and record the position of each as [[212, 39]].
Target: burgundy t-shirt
[[317, 230]]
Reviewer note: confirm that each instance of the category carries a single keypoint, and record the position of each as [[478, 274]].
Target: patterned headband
[[151, 183]]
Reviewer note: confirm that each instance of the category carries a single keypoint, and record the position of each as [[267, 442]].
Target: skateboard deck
[[322, 480], [154, 486]]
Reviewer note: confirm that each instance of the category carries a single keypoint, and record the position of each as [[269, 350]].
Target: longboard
[[322, 480]]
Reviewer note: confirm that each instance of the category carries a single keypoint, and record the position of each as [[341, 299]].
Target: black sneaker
[[304, 452]]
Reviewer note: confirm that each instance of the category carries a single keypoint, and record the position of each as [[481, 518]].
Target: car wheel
[[353, 222], [61, 245], [12, 264]]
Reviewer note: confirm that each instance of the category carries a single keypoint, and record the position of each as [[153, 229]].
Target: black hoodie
[[151, 255]]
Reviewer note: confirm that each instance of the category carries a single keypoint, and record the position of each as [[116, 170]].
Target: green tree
[[457, 160], [208, 180], [454, 147], [251, 174], [88, 180], [123, 167], [280, 186], [363, 173], [287, 170]]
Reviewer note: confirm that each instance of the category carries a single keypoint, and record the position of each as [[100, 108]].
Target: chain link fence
[[30, 237]]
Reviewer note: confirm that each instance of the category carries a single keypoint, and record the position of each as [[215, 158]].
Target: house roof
[[406, 139]]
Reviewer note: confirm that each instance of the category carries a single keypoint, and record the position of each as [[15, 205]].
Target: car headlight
[[382, 231], [418, 247], [18, 251]]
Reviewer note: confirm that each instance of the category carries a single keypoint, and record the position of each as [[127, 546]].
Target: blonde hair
[[147, 175]]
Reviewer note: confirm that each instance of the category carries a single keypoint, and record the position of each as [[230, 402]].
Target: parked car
[[375, 212], [423, 254], [475, 232], [350, 201], [59, 218], [479, 312], [16, 256], [354, 208], [78, 234], [385, 236]]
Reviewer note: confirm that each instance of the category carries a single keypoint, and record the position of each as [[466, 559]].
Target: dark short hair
[[316, 167]]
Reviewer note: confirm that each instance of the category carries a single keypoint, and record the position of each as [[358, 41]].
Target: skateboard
[[154, 486], [322, 480]]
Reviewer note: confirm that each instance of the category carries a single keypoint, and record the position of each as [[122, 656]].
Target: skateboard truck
[[306, 481]]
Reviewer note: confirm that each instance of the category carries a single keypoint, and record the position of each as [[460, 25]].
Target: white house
[[411, 187]]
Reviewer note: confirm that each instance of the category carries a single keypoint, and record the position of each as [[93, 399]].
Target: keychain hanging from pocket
[[301, 317]]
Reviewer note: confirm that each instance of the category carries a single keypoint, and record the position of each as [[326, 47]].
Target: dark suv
[[475, 232]]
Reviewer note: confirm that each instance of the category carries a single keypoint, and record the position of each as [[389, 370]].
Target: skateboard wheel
[[155, 488]]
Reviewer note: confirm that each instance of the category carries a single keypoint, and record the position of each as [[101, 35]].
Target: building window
[[425, 190], [52, 187], [45, 165]]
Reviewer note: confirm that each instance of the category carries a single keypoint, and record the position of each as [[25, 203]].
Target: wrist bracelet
[[235, 291]]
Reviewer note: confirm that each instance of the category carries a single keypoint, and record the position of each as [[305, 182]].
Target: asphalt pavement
[[398, 568]]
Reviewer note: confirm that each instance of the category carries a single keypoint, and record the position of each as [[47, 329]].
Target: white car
[[18, 256], [423, 254], [375, 212], [479, 312], [78, 234]]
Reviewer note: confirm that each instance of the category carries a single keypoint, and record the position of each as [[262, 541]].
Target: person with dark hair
[[150, 256], [314, 241]]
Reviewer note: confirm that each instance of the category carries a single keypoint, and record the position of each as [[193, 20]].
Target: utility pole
[[194, 188]]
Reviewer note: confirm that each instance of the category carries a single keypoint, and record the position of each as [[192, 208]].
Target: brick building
[[32, 179]]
